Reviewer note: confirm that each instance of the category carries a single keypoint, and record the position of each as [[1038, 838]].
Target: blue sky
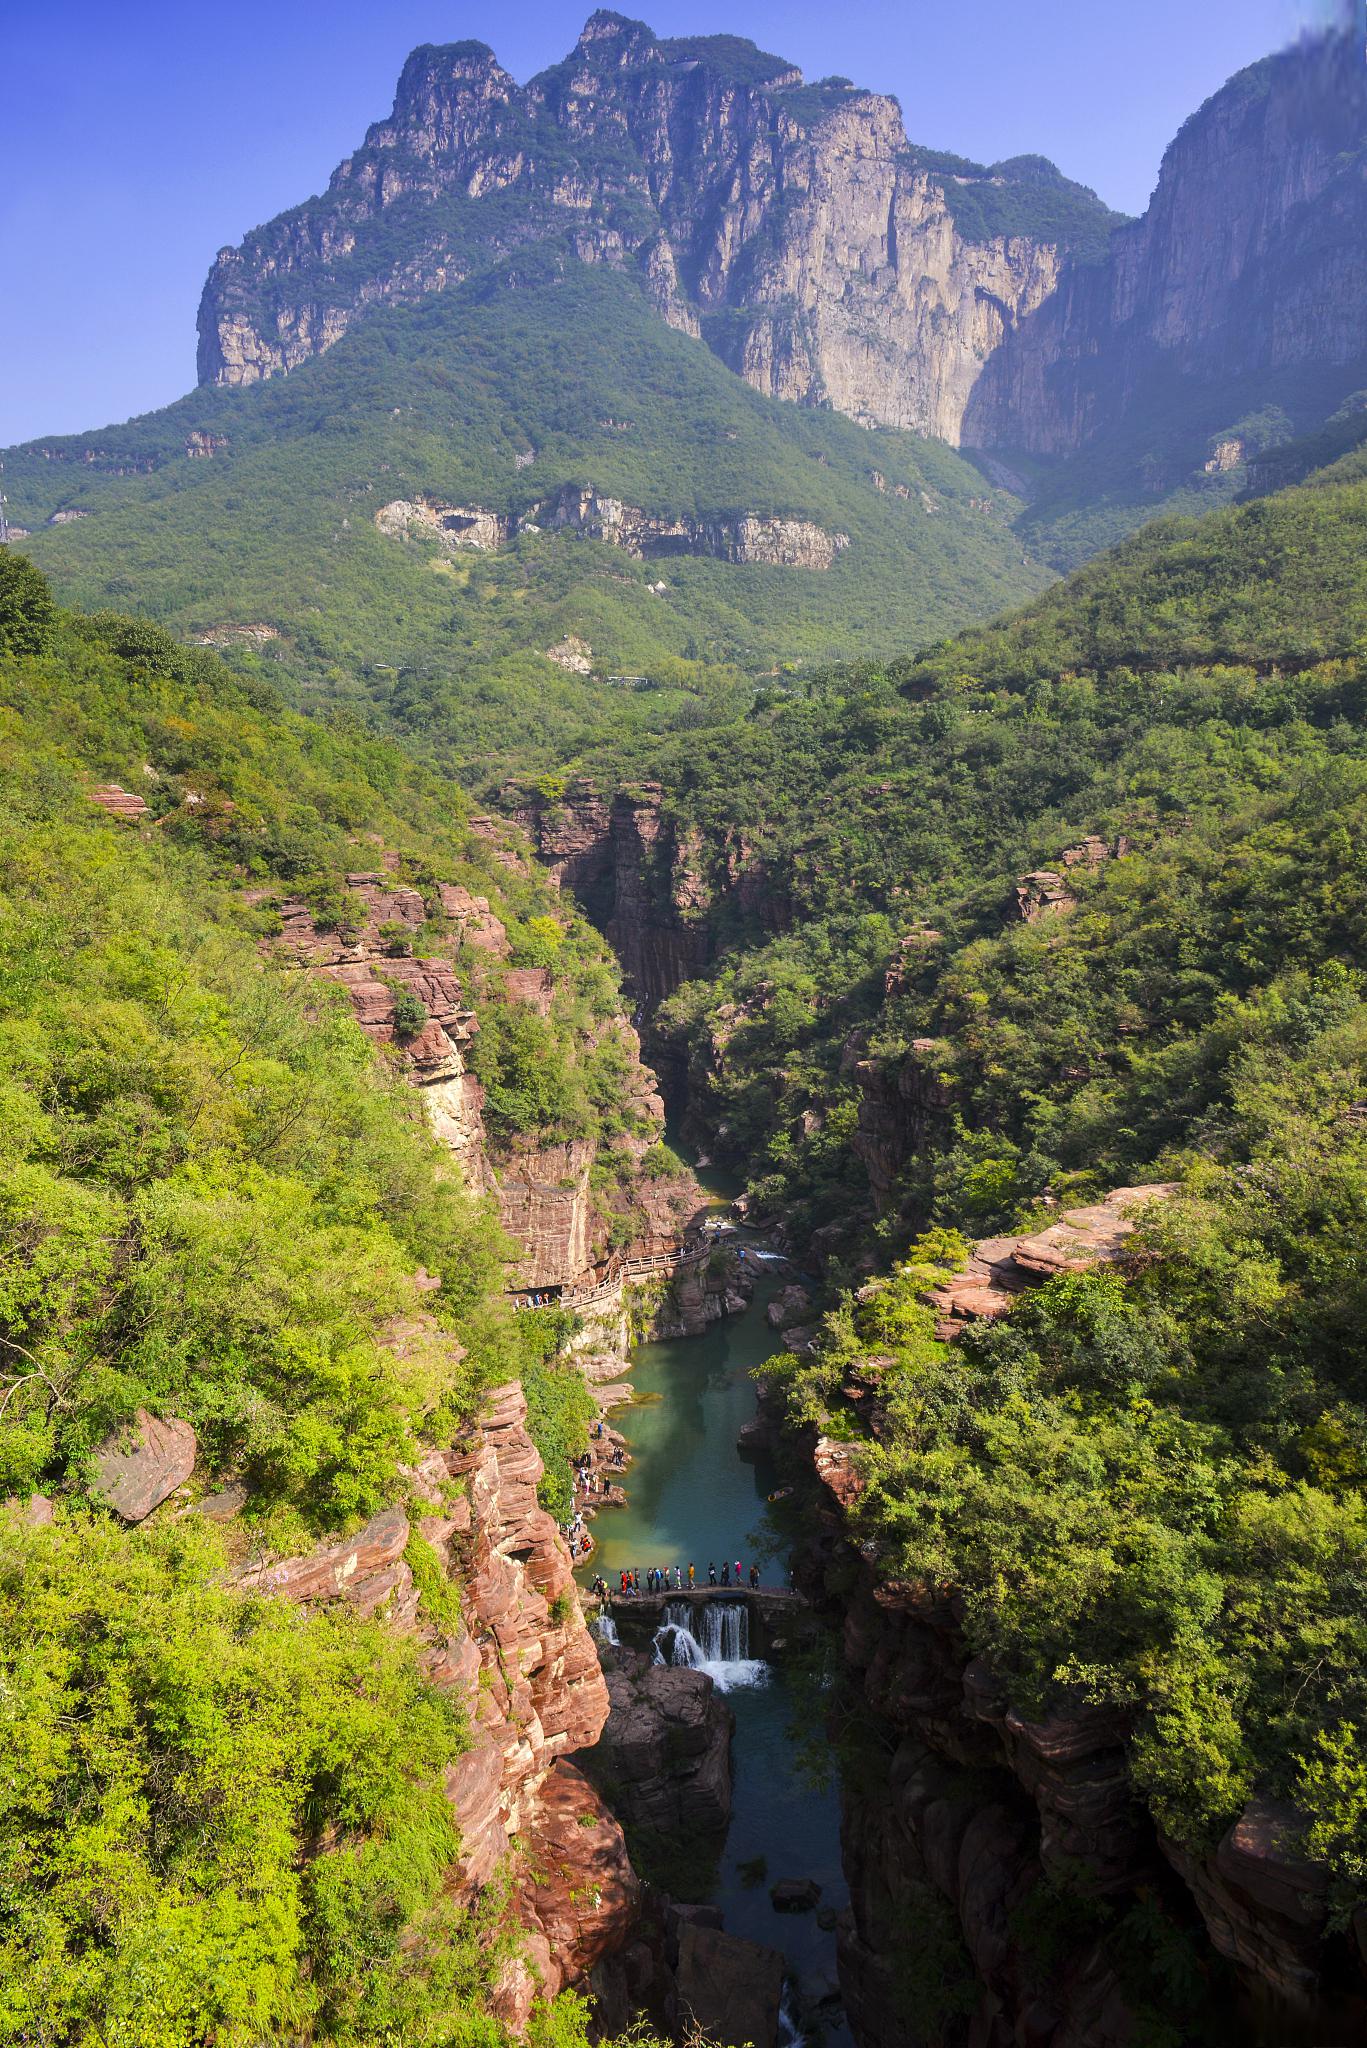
[[139, 138]]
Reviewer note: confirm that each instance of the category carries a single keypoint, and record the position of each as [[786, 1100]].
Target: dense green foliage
[[1148, 1490], [571, 367], [215, 1202], [1149, 1493], [1199, 695], [1022, 195], [177, 1757]]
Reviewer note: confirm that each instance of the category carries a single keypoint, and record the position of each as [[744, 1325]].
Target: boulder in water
[[729, 1989], [794, 1895]]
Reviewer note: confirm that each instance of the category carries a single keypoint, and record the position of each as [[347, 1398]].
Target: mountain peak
[[606, 26]]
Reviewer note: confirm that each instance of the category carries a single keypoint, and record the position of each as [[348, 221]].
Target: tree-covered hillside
[[1195, 703], [1144, 1488], [221, 1204], [250, 517]]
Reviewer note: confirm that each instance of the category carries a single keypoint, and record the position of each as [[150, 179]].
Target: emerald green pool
[[693, 1498]]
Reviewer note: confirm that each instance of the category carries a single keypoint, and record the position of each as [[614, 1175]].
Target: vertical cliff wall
[[1251, 259], [792, 226], [825, 258], [523, 1665], [548, 1201]]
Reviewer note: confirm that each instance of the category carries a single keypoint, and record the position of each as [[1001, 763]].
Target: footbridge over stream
[[777, 1619]]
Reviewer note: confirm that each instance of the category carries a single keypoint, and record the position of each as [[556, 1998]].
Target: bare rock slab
[[729, 1988], [137, 1469]]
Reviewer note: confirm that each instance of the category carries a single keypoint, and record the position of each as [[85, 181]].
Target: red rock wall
[[526, 1670], [543, 1192]]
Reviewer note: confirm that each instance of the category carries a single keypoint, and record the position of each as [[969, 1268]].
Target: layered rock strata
[[663, 1762], [524, 1666], [546, 1198], [827, 260]]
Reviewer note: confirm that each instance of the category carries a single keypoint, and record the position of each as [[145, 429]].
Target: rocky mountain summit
[[823, 256], [793, 226], [1251, 259]]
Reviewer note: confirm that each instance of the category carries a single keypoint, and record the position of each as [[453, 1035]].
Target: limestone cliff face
[[649, 882], [826, 260], [1252, 257], [791, 225], [525, 1668]]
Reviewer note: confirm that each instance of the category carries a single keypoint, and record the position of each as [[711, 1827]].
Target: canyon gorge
[[684, 1141]]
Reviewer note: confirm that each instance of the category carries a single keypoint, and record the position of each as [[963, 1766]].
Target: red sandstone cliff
[[525, 1667], [544, 1191]]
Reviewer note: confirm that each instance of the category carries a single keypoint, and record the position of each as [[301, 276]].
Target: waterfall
[[606, 1630], [711, 1636], [790, 2032]]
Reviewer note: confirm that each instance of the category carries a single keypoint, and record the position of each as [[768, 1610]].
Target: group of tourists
[[671, 1578]]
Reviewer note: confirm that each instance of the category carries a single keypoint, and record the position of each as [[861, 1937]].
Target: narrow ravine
[[694, 1499]]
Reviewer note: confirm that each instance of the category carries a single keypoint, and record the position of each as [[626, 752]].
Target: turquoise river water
[[693, 1498]]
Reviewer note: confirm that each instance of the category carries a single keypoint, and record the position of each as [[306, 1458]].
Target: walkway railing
[[685, 1260]]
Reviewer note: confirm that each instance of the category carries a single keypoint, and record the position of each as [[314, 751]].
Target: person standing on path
[[690, 1578], [711, 1575]]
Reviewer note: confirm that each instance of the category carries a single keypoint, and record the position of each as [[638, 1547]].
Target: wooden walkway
[[643, 1266]]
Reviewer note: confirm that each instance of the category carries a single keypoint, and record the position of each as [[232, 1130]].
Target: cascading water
[[606, 1630], [711, 1636]]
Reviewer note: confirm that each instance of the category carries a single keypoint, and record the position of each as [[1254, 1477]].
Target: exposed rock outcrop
[[729, 1989], [830, 262], [1001, 1267], [789, 225], [124, 804], [747, 537], [426, 1011], [138, 1468], [454, 526], [525, 1668], [645, 879], [663, 1761]]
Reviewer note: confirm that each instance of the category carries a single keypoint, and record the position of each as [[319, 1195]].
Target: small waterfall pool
[[713, 1637]]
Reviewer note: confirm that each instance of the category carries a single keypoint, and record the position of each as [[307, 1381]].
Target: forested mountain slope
[[922, 1003], [471, 513], [238, 1269], [1102, 1516]]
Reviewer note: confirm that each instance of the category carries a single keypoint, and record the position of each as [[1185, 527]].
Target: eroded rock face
[[544, 1192], [750, 537], [799, 213], [138, 1468], [647, 881], [1252, 257], [663, 1761], [525, 1668], [1001, 1267], [124, 804], [729, 1989], [452, 526]]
